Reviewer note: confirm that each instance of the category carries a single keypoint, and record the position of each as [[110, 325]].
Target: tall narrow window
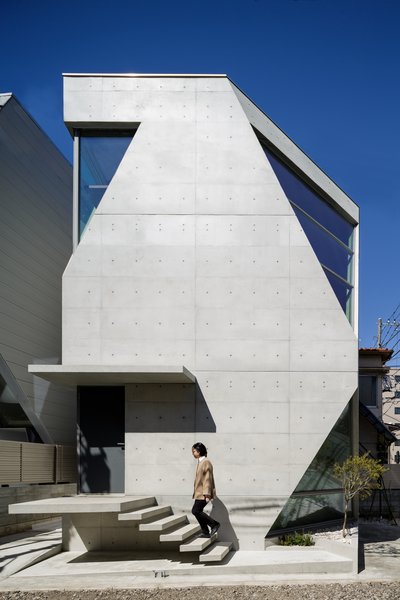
[[100, 153], [329, 233]]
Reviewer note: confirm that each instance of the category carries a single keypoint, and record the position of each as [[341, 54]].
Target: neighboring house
[[211, 296], [379, 432], [35, 245], [391, 410], [375, 436]]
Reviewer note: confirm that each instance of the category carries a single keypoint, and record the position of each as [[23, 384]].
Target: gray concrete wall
[[35, 245], [10, 524], [194, 256]]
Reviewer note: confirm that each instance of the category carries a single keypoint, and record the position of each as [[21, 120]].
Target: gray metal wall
[[35, 245], [195, 257]]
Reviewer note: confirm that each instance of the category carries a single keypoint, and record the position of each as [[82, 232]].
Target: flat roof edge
[[176, 75]]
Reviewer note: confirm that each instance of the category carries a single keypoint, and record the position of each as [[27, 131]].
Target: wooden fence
[[25, 462]]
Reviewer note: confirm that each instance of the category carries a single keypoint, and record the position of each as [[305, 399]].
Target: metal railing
[[25, 462]]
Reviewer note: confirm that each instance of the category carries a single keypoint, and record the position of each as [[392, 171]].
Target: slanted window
[[318, 497], [100, 154], [14, 423], [329, 233]]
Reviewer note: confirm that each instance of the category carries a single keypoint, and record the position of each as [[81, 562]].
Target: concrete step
[[216, 552], [181, 534], [162, 524], [145, 513], [197, 544]]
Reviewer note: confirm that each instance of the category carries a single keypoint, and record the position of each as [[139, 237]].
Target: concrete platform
[[82, 570], [81, 504], [72, 375], [75, 570]]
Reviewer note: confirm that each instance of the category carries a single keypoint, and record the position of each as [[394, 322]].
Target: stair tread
[[143, 513], [163, 523], [197, 544], [181, 534], [216, 552]]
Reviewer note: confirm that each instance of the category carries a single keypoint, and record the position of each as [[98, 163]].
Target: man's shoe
[[215, 528], [205, 535]]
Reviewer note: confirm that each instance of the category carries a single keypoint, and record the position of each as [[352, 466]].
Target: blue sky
[[326, 71]]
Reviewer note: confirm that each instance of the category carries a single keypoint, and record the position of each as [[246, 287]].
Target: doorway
[[101, 439]]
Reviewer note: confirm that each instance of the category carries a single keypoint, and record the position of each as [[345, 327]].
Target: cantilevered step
[[181, 534], [162, 524], [197, 544], [216, 552], [145, 513]]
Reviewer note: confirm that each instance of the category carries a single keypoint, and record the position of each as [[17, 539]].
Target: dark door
[[101, 439]]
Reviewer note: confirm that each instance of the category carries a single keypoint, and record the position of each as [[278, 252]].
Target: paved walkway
[[379, 541]]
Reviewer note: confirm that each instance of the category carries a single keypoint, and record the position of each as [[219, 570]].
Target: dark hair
[[201, 449]]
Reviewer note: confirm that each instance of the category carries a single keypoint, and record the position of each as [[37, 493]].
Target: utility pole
[[379, 333], [396, 326]]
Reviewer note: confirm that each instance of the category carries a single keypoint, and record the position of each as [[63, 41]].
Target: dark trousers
[[201, 516]]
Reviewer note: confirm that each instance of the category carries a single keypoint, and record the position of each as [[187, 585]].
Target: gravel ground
[[350, 591]]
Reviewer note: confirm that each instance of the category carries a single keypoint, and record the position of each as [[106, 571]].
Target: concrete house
[[211, 296]]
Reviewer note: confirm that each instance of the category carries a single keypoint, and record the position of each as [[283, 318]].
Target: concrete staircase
[[176, 528]]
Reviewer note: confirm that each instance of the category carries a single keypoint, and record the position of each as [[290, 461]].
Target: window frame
[[106, 130]]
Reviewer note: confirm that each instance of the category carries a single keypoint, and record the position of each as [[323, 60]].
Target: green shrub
[[296, 539]]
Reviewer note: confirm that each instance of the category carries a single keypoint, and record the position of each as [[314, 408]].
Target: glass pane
[[306, 506], [304, 196], [343, 291], [100, 157], [329, 252], [302, 511], [336, 448], [368, 390], [14, 424]]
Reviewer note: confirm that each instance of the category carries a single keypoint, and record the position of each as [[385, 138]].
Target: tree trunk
[[346, 504]]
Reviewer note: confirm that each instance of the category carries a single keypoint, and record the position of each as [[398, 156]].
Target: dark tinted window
[[100, 153], [304, 196]]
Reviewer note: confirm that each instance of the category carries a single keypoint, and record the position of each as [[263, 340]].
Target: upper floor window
[[329, 233], [100, 153], [368, 390]]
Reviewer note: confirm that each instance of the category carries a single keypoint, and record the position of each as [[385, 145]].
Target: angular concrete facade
[[195, 257]]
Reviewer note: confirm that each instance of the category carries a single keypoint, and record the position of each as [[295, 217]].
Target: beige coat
[[204, 484]]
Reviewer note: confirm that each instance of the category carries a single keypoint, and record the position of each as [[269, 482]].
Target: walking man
[[204, 490]]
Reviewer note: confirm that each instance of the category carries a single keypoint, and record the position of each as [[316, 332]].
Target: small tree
[[359, 475]]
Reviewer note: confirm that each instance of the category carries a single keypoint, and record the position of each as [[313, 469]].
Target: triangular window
[[329, 233], [100, 154], [318, 498]]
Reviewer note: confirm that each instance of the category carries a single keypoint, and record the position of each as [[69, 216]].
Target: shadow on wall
[[95, 472], [204, 421], [105, 417], [220, 513], [168, 408]]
